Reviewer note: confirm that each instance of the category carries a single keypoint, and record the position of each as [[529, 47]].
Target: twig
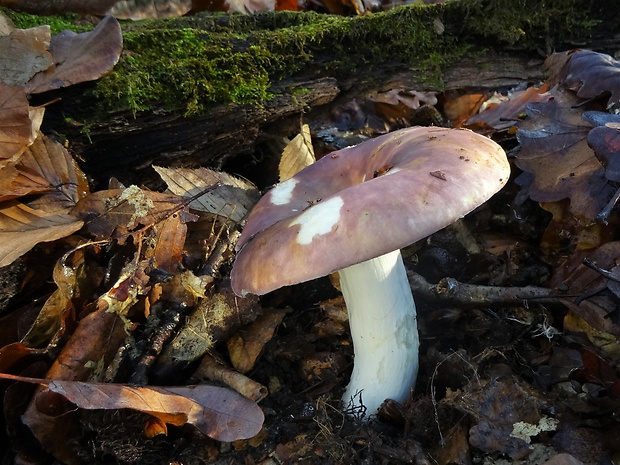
[[451, 291]]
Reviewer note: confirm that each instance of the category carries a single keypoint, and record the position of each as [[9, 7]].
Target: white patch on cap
[[283, 192], [318, 220]]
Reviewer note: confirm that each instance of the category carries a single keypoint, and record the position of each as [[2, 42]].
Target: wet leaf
[[23, 227], [605, 142], [80, 57], [230, 197]]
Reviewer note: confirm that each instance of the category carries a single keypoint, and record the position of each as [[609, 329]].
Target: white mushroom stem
[[384, 330]]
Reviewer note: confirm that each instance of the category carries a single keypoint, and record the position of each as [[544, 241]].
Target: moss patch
[[57, 24], [193, 63], [189, 64]]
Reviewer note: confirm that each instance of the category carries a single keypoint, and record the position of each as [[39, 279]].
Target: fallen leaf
[[80, 57], [563, 459], [22, 227], [28, 49], [46, 167], [220, 413], [15, 124], [119, 213], [231, 197], [497, 405], [246, 346], [589, 74], [507, 113], [557, 161], [297, 154], [459, 109], [169, 242], [213, 320]]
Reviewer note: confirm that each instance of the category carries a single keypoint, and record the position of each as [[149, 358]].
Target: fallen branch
[[450, 291]]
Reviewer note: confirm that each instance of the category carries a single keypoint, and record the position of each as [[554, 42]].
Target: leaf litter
[[140, 299]]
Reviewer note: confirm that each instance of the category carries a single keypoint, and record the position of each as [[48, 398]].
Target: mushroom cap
[[361, 202]]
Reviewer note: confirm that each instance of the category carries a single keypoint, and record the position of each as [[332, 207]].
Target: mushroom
[[352, 211]]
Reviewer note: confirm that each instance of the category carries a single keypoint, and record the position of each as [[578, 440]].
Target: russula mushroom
[[352, 211]]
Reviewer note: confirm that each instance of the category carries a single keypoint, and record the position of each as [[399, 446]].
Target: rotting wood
[[124, 144]]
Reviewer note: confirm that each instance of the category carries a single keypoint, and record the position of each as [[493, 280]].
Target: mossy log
[[210, 89]]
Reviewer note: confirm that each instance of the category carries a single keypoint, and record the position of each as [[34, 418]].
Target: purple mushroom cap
[[364, 201]]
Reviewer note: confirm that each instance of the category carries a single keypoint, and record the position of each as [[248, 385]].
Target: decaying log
[[475, 53]]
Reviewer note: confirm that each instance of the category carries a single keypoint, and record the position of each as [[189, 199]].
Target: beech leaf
[[232, 197], [46, 166], [27, 49], [80, 57], [23, 227], [220, 413], [297, 154], [15, 124]]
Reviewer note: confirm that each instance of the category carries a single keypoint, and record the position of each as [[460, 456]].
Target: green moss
[[528, 23], [193, 63], [57, 24]]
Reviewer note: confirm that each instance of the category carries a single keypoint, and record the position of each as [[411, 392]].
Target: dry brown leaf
[[169, 243], [218, 412], [15, 124], [80, 57], [120, 212], [45, 167], [23, 227], [245, 346], [233, 198], [503, 115], [28, 52], [457, 110], [297, 154]]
